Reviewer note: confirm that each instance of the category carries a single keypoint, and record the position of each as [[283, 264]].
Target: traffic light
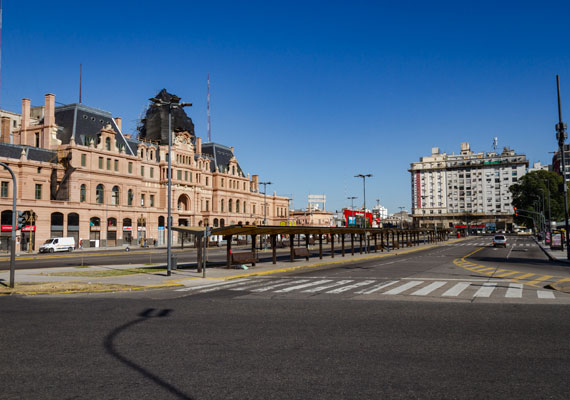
[[22, 219], [516, 211]]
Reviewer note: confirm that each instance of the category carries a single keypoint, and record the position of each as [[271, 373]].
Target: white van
[[58, 244]]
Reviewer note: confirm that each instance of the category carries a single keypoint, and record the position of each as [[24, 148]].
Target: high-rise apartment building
[[466, 189]]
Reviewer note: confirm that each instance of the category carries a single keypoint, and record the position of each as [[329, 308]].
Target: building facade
[[79, 175], [465, 189]]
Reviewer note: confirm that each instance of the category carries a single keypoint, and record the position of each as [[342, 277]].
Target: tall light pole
[[364, 176], [173, 103], [561, 135], [351, 198], [265, 200], [364, 185]]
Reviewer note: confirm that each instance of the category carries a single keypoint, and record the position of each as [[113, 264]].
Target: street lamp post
[[364, 176], [561, 135], [265, 200], [265, 208], [173, 103], [14, 227]]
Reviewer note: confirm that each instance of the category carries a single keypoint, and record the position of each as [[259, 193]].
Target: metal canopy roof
[[288, 230]]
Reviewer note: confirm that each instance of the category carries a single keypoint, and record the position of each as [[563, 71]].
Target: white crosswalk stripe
[[376, 288], [545, 294], [428, 289], [369, 286], [456, 289], [350, 287], [186, 289], [271, 287], [485, 290], [304, 285], [514, 291], [321, 288], [403, 288]]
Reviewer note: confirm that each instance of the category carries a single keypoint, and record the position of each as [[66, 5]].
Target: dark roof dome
[[154, 126]]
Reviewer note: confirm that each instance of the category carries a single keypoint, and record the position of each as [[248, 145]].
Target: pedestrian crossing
[[490, 244], [457, 288]]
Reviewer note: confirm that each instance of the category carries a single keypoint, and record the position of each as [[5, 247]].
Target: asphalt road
[[236, 344]]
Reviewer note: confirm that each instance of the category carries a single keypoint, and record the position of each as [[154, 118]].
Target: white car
[[500, 241]]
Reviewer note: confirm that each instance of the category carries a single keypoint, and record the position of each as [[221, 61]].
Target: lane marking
[[515, 290], [538, 280], [524, 276], [457, 289], [349, 287], [403, 288], [485, 290], [428, 289]]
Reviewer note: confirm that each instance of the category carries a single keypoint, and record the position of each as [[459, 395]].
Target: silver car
[[500, 241]]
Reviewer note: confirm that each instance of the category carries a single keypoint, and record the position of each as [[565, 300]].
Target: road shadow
[[109, 345]]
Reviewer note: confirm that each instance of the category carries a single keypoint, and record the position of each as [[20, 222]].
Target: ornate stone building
[[81, 176]]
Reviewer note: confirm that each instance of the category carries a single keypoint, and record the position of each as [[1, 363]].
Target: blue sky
[[309, 93]]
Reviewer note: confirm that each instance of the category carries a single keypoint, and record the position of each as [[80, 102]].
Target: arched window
[[150, 154], [237, 205], [108, 144], [100, 194], [222, 223], [222, 205], [244, 207], [130, 197], [95, 221], [115, 196], [161, 220], [230, 204], [215, 222], [83, 193], [112, 222]]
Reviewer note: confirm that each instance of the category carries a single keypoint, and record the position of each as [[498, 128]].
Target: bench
[[301, 252], [246, 257]]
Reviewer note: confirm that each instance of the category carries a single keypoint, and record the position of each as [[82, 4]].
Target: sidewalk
[[553, 255], [143, 277]]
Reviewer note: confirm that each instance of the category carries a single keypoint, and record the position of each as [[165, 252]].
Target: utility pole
[[14, 227], [561, 135]]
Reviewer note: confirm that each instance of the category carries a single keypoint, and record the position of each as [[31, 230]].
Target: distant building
[[83, 177], [537, 166], [450, 190], [312, 217]]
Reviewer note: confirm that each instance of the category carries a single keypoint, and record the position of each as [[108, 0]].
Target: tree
[[528, 194]]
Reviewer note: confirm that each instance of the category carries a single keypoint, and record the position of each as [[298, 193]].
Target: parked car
[[58, 244], [500, 241]]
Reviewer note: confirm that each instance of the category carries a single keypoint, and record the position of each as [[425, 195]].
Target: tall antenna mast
[[0, 38], [209, 124], [80, 73]]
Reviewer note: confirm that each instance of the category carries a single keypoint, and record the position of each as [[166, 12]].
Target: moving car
[[58, 244], [500, 241]]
